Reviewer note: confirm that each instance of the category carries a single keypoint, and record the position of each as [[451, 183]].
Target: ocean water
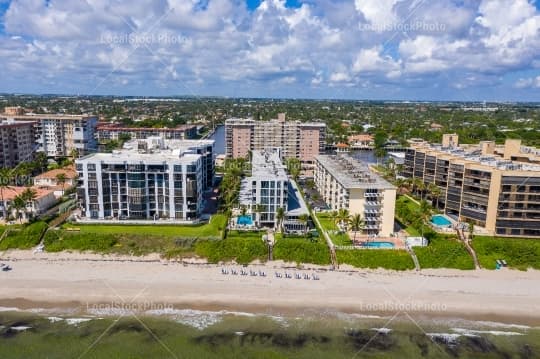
[[185, 333]]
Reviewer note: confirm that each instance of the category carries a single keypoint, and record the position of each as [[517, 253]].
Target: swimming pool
[[379, 244], [244, 220], [441, 221]]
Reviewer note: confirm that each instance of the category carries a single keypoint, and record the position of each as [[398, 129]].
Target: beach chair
[[504, 263]]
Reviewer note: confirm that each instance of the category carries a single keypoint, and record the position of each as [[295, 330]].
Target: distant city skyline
[[439, 50]]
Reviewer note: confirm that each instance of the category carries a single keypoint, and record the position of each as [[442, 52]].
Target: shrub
[[301, 250], [376, 258], [243, 250], [24, 238], [444, 252], [518, 253]]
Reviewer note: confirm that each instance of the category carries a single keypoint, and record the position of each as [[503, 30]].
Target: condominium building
[[16, 143], [269, 188], [345, 182], [59, 135], [111, 131], [147, 180], [295, 139], [494, 187]]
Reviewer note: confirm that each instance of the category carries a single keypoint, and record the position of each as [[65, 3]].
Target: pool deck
[[399, 243]]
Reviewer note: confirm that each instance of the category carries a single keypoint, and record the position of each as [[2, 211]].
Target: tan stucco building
[[344, 182], [495, 187], [301, 140]]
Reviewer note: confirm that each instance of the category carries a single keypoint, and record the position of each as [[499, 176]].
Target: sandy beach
[[85, 280]]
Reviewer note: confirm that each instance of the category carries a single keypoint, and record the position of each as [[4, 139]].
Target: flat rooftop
[[250, 121], [11, 123], [153, 150], [266, 164], [473, 153], [114, 127], [46, 116], [352, 173]]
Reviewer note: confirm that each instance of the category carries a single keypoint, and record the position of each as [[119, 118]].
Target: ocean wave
[[20, 328], [9, 309], [492, 332]]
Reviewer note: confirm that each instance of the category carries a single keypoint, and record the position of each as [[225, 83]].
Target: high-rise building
[[146, 180], [17, 143], [301, 140], [494, 187], [346, 183], [269, 188], [59, 135]]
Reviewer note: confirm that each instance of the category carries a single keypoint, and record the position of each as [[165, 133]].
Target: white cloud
[[531, 82], [188, 43]]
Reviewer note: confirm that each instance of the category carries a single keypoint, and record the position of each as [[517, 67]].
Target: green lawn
[[339, 239], [406, 213], [518, 253], [212, 229], [444, 252], [24, 237], [169, 240], [376, 258]]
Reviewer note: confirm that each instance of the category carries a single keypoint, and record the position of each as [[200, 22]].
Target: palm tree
[[280, 214], [335, 218], [5, 179], [421, 187], [61, 179], [434, 193], [400, 184], [74, 154], [471, 230], [343, 216], [356, 222], [304, 219], [425, 213], [243, 210], [28, 195], [18, 204]]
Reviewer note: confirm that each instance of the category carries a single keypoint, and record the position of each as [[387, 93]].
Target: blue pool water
[[244, 220], [441, 221], [379, 244]]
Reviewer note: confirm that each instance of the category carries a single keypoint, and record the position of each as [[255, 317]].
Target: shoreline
[[79, 280]]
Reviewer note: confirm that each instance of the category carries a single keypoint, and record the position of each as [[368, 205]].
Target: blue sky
[[360, 49]]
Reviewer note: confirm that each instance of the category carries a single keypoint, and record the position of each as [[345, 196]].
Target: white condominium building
[[269, 188], [147, 180], [59, 135], [345, 182]]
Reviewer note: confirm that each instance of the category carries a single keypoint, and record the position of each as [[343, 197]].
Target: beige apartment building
[[17, 143], [59, 135], [345, 182], [295, 139], [494, 187]]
